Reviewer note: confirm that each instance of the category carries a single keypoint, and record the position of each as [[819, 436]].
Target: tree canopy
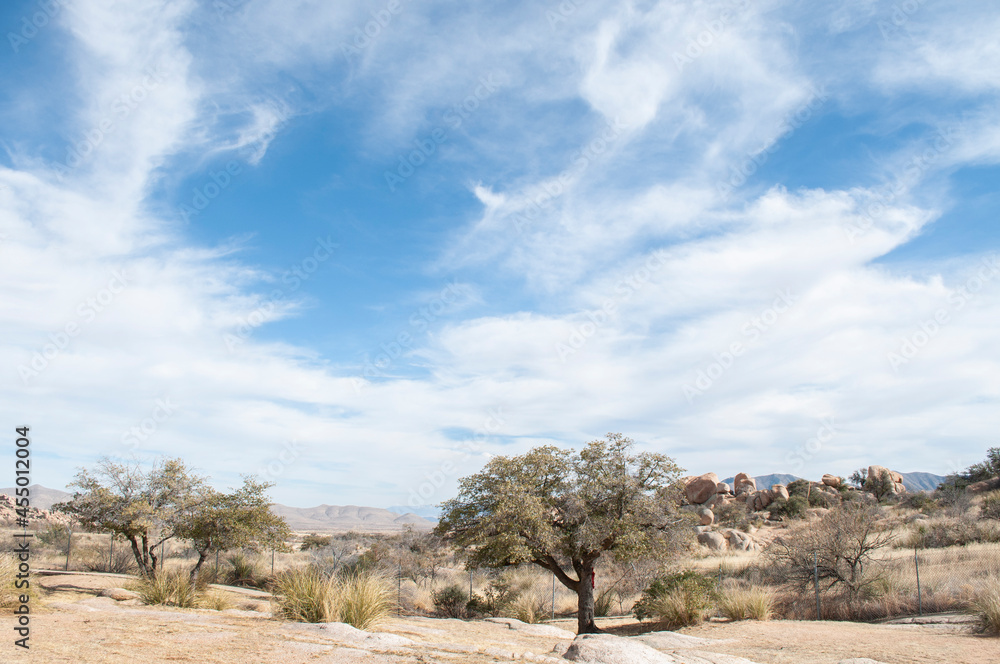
[[563, 510]]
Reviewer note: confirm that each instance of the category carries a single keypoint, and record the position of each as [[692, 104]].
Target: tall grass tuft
[[363, 600], [987, 606], [243, 571], [751, 603], [530, 607], [360, 599], [169, 588], [679, 607], [216, 601], [9, 592], [304, 595]]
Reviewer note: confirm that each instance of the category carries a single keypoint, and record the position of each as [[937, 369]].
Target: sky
[[358, 248]]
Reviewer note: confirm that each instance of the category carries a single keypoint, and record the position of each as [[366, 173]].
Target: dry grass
[[362, 600], [216, 601], [172, 588], [746, 603], [987, 606]]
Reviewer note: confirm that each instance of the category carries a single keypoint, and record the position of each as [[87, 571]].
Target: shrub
[[243, 571], [216, 601], [451, 601], [304, 595], [363, 599], [987, 606], [677, 600], [944, 532], [793, 508], [751, 603], [798, 488], [314, 541], [498, 597], [603, 604], [99, 558], [922, 502], [732, 514], [55, 536], [170, 588], [990, 507], [531, 607]]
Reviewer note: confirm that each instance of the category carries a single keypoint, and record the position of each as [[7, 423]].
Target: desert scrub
[[746, 603], [216, 601], [946, 532], [451, 601], [677, 600], [243, 571], [990, 507], [304, 595], [169, 588], [363, 599], [987, 607], [360, 599]]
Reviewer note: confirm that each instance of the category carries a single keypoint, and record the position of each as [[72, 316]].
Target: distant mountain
[[41, 497], [767, 481], [921, 481], [429, 512], [332, 518]]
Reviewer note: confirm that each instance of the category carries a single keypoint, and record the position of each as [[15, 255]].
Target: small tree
[[562, 511], [238, 520], [144, 507], [880, 486], [842, 546]]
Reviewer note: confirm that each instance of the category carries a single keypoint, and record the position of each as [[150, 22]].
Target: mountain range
[[912, 481]]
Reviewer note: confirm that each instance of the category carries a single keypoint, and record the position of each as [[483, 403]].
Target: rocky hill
[[41, 497], [333, 518]]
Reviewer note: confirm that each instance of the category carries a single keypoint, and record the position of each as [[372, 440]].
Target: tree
[[880, 486], [977, 472], [144, 507], [562, 511], [841, 548], [238, 520]]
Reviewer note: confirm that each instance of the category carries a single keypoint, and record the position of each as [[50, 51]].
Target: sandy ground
[[71, 624]]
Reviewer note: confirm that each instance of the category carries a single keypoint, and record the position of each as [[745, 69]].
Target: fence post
[[470, 585], [553, 595], [216, 566], [920, 599], [111, 556], [819, 611], [69, 547], [399, 590], [272, 562]]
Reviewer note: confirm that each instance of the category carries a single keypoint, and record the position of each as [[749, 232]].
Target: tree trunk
[[585, 600], [202, 556], [143, 565]]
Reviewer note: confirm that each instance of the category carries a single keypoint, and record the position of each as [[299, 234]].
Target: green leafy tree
[[977, 472], [563, 511], [145, 507], [238, 520]]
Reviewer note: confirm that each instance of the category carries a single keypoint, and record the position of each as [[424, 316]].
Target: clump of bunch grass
[[9, 592], [167, 588], [750, 603], [987, 607], [677, 600], [216, 601], [360, 599]]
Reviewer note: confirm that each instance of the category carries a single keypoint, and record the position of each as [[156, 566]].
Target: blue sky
[[756, 236]]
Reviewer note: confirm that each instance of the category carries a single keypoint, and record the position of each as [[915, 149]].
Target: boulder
[[759, 500], [744, 484], [898, 487], [118, 594], [706, 516], [739, 540], [713, 541], [547, 631], [713, 501], [831, 481], [895, 477], [610, 649], [722, 488], [701, 489], [984, 486], [779, 491]]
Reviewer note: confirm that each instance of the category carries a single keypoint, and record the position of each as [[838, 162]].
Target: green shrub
[[451, 601], [314, 541], [172, 588], [921, 501], [945, 532], [677, 599], [732, 514], [498, 597], [793, 508], [243, 571], [990, 507], [753, 603], [798, 488]]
